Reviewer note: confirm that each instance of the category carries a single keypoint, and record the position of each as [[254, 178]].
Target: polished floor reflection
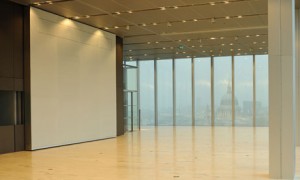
[[153, 153]]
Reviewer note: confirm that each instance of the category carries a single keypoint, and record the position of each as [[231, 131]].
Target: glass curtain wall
[[223, 91], [165, 92], [262, 90], [183, 72], [202, 77], [243, 84], [146, 69], [245, 87]]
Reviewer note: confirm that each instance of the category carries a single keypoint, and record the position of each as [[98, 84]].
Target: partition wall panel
[[223, 91], [183, 71], [146, 83], [202, 75], [165, 92], [243, 84], [73, 81]]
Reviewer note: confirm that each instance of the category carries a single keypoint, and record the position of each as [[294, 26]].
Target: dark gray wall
[[120, 88]]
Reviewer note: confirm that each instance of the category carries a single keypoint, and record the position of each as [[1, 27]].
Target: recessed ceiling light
[[184, 21], [87, 16], [188, 40], [264, 42], [226, 2], [156, 42], [201, 46], [76, 17], [130, 12], [175, 7], [162, 8], [212, 3], [183, 52], [106, 28], [116, 27], [260, 48], [179, 40], [37, 4], [239, 49], [221, 37], [223, 44], [240, 16], [231, 44], [254, 42], [195, 20], [257, 35], [248, 36], [204, 51], [213, 38], [118, 13], [144, 24], [193, 46], [164, 48], [154, 24], [227, 17]]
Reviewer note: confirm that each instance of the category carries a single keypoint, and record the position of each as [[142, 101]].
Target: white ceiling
[[172, 37]]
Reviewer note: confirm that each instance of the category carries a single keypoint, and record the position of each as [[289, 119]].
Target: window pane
[[262, 90], [223, 91], [243, 77], [202, 91], [183, 92], [131, 75], [147, 92], [165, 92]]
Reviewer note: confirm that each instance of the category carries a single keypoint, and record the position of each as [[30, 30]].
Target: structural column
[[282, 95]]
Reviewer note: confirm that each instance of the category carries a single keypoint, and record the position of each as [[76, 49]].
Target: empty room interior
[[149, 89]]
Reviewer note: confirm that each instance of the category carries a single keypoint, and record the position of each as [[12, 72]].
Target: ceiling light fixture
[[144, 24], [227, 17], [175, 7], [118, 13], [162, 8], [106, 28], [184, 21], [130, 12], [195, 20], [37, 4], [87, 16], [248, 36], [226, 2], [154, 24], [240, 16], [212, 3], [116, 27], [148, 42], [257, 35], [213, 38]]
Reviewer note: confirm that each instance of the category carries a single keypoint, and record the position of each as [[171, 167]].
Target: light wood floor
[[162, 153]]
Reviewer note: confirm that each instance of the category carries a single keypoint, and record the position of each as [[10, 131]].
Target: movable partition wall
[[201, 91], [11, 77]]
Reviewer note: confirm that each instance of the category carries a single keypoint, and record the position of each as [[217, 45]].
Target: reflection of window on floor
[[222, 72]]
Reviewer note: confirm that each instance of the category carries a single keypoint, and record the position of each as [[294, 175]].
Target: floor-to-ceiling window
[[165, 92], [202, 75], [223, 91], [146, 69], [243, 84], [250, 85], [262, 90], [183, 91]]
